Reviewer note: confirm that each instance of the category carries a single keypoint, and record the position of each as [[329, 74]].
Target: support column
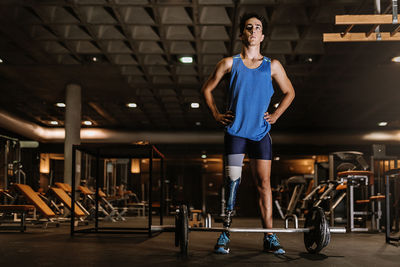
[[72, 126]]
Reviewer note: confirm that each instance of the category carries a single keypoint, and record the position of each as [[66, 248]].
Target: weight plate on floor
[[319, 235], [183, 219], [327, 232]]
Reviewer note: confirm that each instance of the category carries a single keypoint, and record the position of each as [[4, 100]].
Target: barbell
[[317, 233]]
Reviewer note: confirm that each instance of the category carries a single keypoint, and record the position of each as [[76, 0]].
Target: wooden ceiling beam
[[359, 37], [363, 19]]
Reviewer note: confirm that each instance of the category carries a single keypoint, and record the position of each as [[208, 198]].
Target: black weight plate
[[184, 230], [319, 235], [327, 232]]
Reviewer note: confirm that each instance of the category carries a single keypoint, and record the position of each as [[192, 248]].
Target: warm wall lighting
[[44, 163], [135, 166]]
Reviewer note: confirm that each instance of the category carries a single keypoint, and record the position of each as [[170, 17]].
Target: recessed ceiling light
[[194, 105], [277, 158], [276, 105], [382, 123], [94, 59], [60, 105], [1, 61], [396, 59], [186, 60], [131, 105], [204, 156], [54, 122], [309, 59], [198, 123], [87, 123]]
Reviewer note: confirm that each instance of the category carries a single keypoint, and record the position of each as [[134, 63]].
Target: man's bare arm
[[223, 67], [279, 75]]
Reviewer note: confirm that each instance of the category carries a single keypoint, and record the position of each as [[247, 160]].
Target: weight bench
[[68, 189], [108, 215], [21, 209], [353, 178], [33, 198], [66, 200]]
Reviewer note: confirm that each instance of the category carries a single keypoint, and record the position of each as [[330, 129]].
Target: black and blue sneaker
[[222, 244], [271, 244]]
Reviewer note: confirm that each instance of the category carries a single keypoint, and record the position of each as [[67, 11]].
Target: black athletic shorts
[[255, 149]]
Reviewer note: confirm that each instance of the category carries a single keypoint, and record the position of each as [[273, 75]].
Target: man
[[247, 122]]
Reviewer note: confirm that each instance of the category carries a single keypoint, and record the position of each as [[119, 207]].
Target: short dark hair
[[247, 16]]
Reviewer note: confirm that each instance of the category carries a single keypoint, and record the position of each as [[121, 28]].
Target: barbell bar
[[171, 228], [334, 230], [317, 233]]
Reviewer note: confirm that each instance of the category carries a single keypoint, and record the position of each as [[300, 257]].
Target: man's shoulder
[[276, 67], [226, 62], [275, 63]]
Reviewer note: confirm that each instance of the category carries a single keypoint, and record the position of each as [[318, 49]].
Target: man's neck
[[251, 52]]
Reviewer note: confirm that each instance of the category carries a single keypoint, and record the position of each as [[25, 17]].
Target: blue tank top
[[250, 92]]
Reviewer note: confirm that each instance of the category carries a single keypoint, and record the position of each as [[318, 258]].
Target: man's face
[[253, 32]]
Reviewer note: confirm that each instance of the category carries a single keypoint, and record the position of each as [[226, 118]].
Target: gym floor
[[54, 247]]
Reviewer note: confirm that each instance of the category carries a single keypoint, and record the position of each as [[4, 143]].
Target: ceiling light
[[94, 59], [309, 59], [131, 105], [382, 123], [396, 59], [87, 123], [198, 123], [186, 60], [276, 105], [60, 105], [277, 158], [54, 122], [204, 156], [1, 61], [194, 105]]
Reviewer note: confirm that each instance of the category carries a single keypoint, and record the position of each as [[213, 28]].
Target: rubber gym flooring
[[54, 247]]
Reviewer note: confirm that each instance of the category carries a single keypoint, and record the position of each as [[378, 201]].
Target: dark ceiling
[[47, 44]]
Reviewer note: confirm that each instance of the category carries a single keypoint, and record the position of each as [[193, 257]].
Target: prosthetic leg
[[233, 173]]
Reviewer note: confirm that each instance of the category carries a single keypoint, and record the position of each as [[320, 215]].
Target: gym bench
[[21, 209]]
